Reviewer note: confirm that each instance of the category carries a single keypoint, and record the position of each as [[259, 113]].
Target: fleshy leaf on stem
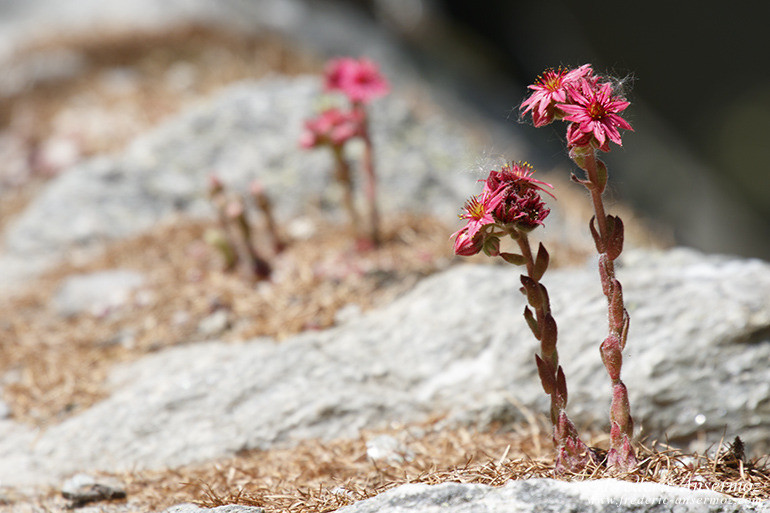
[[532, 322], [546, 373], [605, 274], [612, 356], [624, 331], [541, 263], [532, 291], [514, 258], [561, 386], [617, 311], [574, 178], [546, 301], [621, 410], [615, 239], [549, 334], [601, 176]]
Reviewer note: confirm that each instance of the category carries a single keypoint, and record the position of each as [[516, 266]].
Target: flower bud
[[491, 246], [465, 245]]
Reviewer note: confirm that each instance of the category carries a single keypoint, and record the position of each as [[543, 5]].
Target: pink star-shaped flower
[[550, 90], [478, 211], [594, 114]]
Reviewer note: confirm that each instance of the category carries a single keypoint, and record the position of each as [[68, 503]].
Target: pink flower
[[516, 174], [478, 211], [551, 88], [593, 111], [359, 79], [518, 196], [333, 127]]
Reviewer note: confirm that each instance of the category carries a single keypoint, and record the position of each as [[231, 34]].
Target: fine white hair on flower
[[621, 86], [480, 164]]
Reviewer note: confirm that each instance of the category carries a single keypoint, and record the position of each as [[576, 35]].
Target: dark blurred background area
[[697, 76]]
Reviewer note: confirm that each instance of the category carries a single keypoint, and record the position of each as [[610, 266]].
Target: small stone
[[215, 324], [57, 154], [348, 313], [301, 228], [81, 489], [125, 338], [5, 410], [386, 448]]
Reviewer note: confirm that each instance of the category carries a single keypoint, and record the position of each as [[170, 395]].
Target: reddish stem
[[621, 454], [343, 177], [370, 179], [571, 453]]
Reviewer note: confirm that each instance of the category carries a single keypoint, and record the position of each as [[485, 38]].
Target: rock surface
[[230, 508], [96, 293], [550, 496], [694, 363]]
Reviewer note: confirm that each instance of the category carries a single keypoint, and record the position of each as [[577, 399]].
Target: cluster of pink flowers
[[583, 98], [510, 201]]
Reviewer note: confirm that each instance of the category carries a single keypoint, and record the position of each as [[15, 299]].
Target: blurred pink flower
[[360, 80], [593, 111], [333, 126], [550, 89]]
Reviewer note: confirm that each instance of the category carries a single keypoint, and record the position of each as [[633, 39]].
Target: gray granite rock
[[551, 496], [96, 293], [230, 508], [695, 363]]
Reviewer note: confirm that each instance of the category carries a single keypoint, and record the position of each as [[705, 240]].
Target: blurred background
[[696, 73]]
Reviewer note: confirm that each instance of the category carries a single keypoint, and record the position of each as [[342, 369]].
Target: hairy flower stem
[[571, 453], [370, 178], [609, 244], [343, 176]]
